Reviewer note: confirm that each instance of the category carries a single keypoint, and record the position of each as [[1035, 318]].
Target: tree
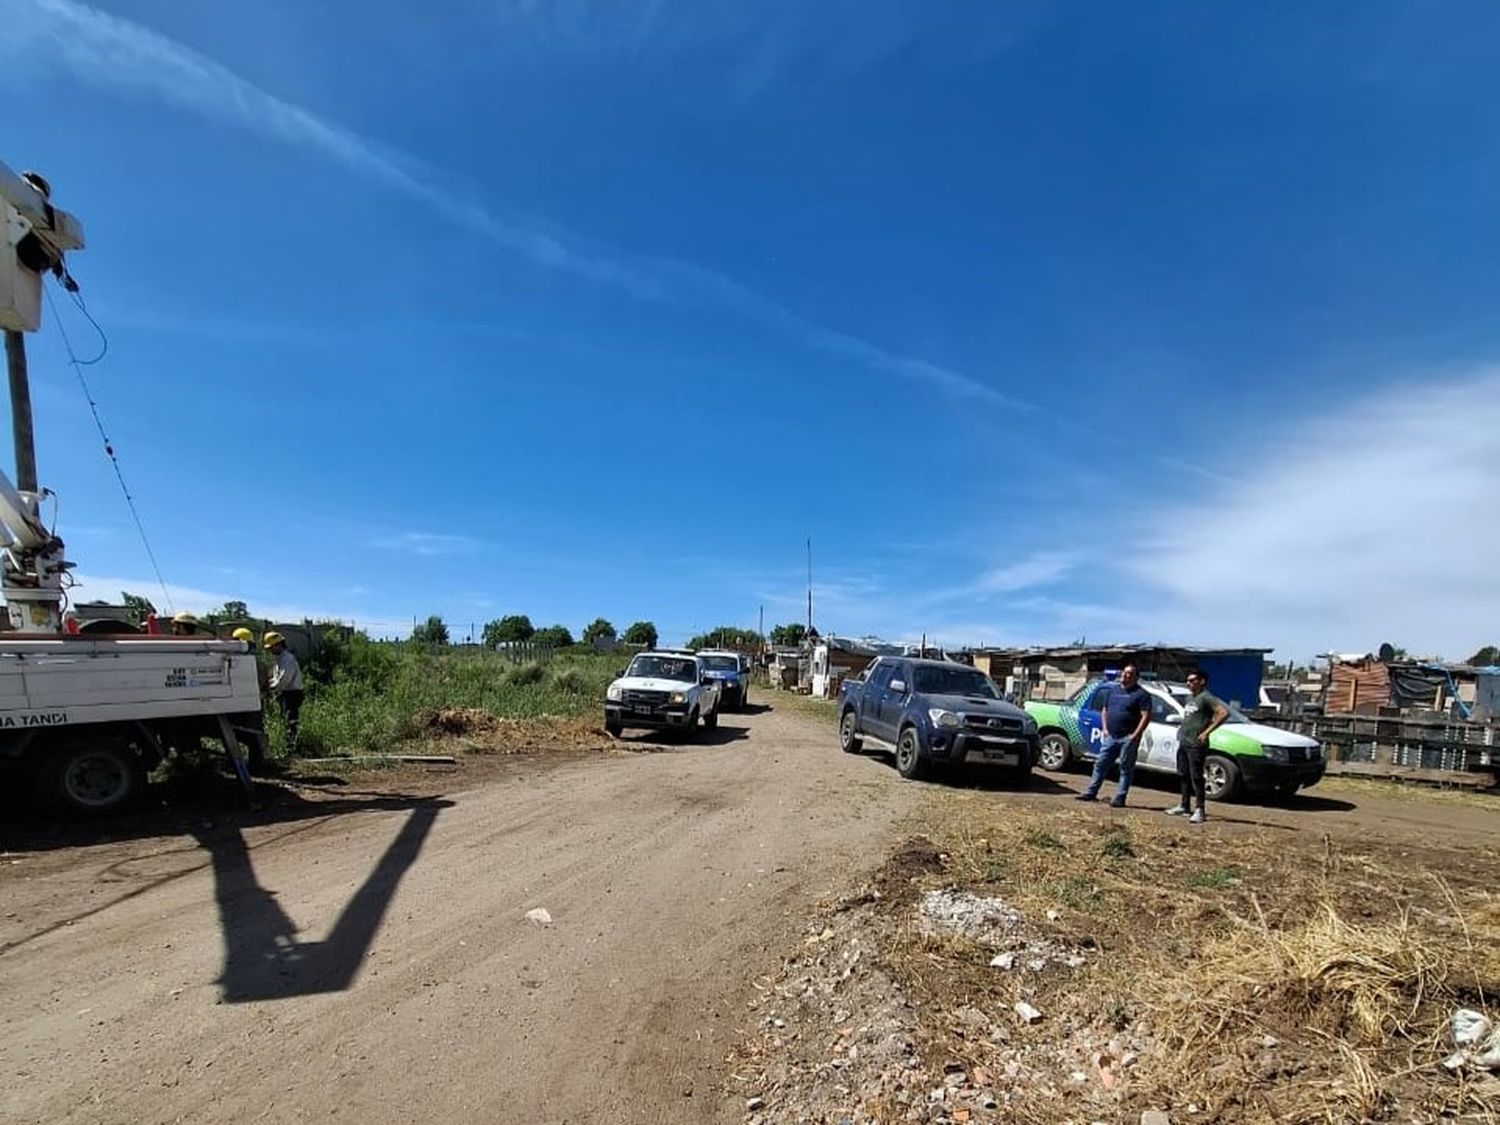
[[232, 611], [431, 632], [516, 627], [641, 633], [554, 636], [136, 606], [1489, 654], [728, 636], [596, 629], [791, 634]]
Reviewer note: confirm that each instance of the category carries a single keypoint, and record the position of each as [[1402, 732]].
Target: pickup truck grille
[[1000, 724], [654, 698]]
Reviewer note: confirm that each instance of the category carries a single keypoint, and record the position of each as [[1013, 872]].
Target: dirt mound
[[485, 731]]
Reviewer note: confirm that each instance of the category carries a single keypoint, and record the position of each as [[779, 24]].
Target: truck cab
[[935, 712], [732, 672], [662, 691]]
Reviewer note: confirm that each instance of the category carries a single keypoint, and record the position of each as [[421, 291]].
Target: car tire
[[613, 729], [90, 777], [1057, 752], [1221, 778], [849, 740], [690, 731], [1285, 792], [1018, 776], [711, 720], [909, 761]]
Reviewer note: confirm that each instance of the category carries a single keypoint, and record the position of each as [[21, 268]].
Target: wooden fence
[[525, 652], [1415, 748]]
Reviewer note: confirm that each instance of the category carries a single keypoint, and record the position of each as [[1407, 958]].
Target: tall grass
[[372, 694]]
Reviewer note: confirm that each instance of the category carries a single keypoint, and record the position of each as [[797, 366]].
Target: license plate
[[641, 709]]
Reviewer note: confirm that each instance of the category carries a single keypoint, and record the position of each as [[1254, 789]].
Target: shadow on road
[[661, 742], [263, 957]]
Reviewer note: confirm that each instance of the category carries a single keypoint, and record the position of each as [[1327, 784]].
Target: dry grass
[[1486, 799], [1350, 959]]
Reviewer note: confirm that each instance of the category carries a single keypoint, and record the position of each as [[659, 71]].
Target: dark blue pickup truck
[[932, 711]]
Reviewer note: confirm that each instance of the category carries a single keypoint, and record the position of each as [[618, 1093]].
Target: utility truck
[[83, 718]]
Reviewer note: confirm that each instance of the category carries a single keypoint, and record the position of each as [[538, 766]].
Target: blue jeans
[[1112, 749]]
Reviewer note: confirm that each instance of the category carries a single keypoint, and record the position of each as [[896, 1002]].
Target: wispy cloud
[[427, 544], [108, 51], [1376, 524], [769, 38], [192, 599]]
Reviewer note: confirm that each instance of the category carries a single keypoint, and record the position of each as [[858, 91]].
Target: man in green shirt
[[1202, 714]]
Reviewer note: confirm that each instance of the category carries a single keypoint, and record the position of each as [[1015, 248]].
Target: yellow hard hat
[[273, 638], [243, 634], [185, 619]]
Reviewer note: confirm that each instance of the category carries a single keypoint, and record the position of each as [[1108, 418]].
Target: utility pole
[[34, 236], [20, 411], [809, 586], [762, 629]]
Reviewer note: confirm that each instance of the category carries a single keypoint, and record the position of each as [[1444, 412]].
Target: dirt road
[[367, 956], [370, 958]]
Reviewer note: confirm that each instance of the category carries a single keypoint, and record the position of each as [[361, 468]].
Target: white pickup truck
[[671, 690], [86, 718]]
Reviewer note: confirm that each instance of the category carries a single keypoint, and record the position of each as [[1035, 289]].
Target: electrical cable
[[109, 448]]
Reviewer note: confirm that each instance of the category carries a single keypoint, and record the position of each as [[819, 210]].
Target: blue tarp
[[1234, 677]]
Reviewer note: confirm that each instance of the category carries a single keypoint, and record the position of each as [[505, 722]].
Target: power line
[[109, 448]]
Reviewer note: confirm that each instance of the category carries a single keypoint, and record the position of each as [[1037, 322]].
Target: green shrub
[[525, 675], [377, 691], [571, 680]]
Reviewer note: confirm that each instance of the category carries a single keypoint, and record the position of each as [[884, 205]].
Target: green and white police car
[[1243, 755]]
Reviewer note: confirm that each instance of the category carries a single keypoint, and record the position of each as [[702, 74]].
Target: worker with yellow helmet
[[184, 625], [286, 685]]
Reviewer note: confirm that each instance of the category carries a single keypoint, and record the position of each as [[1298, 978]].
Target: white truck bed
[[65, 681]]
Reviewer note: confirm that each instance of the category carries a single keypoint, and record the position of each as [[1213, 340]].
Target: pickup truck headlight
[[945, 719], [612, 692], [1276, 754], [677, 697]]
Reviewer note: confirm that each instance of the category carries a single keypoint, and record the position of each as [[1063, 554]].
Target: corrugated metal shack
[[1367, 685], [1056, 673]]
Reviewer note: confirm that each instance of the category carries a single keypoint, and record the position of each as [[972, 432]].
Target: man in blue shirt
[[1125, 710]]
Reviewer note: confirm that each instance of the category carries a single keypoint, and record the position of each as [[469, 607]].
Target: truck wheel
[[613, 729], [690, 731], [1221, 778], [711, 720], [849, 740], [1057, 751], [92, 777], [1019, 775], [909, 761]]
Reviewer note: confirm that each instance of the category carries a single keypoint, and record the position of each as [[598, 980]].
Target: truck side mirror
[[1173, 720], [898, 686], [620, 675], [706, 681]]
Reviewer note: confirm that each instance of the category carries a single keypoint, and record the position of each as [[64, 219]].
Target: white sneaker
[[1178, 810], [1197, 817]]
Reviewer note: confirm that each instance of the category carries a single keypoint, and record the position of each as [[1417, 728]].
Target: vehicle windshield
[[721, 663], [957, 680], [664, 668]]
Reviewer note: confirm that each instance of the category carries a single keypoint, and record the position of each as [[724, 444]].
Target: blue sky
[[1043, 320]]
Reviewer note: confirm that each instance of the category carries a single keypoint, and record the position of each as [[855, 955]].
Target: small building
[[1056, 673], [1368, 685], [835, 659]]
